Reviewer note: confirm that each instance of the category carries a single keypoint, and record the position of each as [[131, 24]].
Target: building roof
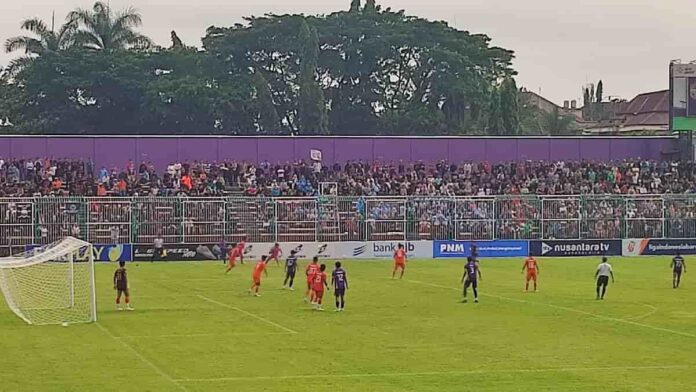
[[647, 109]]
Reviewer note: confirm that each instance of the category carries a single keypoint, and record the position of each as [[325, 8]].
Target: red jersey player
[[275, 254], [318, 284], [234, 253], [399, 261], [256, 276], [532, 268], [241, 246], [311, 269]]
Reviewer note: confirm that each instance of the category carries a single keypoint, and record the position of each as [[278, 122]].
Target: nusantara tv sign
[[566, 248]]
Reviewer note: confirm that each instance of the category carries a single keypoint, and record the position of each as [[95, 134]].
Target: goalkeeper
[[121, 285]]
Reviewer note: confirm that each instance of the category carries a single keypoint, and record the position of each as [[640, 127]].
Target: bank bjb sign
[[386, 249]]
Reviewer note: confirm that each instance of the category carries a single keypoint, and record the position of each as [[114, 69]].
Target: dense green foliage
[[366, 70], [196, 329]]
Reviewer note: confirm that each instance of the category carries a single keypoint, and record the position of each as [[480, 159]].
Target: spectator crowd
[[433, 215], [69, 177]]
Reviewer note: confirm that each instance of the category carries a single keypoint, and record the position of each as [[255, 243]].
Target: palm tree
[[44, 41], [102, 29]]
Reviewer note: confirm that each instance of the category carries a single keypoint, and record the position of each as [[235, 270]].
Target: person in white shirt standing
[[604, 271]]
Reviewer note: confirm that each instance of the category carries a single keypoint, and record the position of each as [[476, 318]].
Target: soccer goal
[[51, 284]]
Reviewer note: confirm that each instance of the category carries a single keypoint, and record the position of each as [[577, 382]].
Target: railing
[[139, 220]]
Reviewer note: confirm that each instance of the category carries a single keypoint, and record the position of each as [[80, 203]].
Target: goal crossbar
[[51, 284]]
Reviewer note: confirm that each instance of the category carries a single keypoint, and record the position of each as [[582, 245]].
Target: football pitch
[[196, 329]]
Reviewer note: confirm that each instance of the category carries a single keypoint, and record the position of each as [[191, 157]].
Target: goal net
[[51, 284]]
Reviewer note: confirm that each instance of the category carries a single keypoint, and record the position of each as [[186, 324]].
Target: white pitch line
[[207, 290], [267, 321], [599, 316], [645, 315], [193, 335], [442, 373], [143, 359]]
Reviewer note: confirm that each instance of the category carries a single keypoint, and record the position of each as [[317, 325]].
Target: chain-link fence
[[331, 218]]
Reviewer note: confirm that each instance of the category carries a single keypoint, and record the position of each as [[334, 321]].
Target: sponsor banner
[[384, 249], [658, 247], [114, 253], [103, 252], [305, 250], [176, 252], [563, 248], [461, 249]]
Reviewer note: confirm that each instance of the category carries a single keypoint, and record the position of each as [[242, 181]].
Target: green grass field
[[196, 329]]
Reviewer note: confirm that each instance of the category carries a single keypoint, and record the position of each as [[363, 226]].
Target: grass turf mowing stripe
[[599, 316], [443, 373], [143, 359], [267, 321]]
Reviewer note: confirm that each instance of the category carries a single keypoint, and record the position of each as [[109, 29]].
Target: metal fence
[[140, 220]]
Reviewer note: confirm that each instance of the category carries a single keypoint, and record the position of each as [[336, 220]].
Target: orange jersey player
[[399, 261], [242, 247], [275, 254], [234, 253], [319, 283], [256, 276], [532, 268], [310, 271]]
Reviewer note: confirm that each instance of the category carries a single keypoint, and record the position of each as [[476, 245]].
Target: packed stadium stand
[[44, 200], [42, 177]]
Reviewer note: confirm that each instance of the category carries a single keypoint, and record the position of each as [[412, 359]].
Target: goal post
[[51, 284]]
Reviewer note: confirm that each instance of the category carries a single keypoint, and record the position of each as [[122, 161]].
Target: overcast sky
[[560, 45]]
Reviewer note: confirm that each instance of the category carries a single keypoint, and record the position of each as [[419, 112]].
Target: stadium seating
[[367, 202], [78, 178]]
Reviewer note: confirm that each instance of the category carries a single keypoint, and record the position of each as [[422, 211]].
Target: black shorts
[[339, 292], [603, 281], [678, 271], [290, 273], [157, 253], [471, 282], [120, 291]]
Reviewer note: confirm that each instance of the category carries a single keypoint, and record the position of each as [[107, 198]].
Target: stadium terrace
[[74, 177]]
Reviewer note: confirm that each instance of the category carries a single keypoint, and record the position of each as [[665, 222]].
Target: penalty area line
[[193, 335], [644, 315], [265, 320], [142, 358], [436, 373], [598, 316]]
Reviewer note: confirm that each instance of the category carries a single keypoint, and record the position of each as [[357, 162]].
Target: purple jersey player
[[472, 274], [340, 283]]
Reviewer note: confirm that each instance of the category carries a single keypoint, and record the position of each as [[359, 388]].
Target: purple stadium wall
[[116, 151]]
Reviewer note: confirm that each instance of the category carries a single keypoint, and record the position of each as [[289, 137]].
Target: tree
[[556, 124], [495, 124], [370, 6], [103, 30], [600, 91], [355, 6], [44, 40], [176, 41], [381, 72], [312, 106], [592, 94], [509, 107], [268, 116], [12, 105]]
